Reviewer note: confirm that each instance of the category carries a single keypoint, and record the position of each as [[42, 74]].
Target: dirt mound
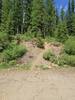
[[34, 55]]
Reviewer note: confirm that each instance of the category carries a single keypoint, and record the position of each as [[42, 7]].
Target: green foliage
[[70, 46], [40, 42], [24, 66], [0, 10], [43, 67], [62, 14], [18, 15], [71, 24], [43, 17], [61, 32], [37, 15], [27, 7], [50, 56], [66, 59], [5, 65], [50, 17], [3, 41], [50, 39], [13, 52], [5, 15], [27, 36], [71, 17]]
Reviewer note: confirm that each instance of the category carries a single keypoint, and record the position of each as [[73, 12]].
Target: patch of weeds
[[40, 43], [26, 36], [43, 67], [49, 56], [66, 59], [56, 44], [23, 66], [4, 42], [50, 39], [6, 65]]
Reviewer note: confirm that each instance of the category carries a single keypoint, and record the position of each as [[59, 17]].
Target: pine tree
[[57, 17], [38, 17], [71, 18], [51, 16], [6, 5], [0, 10], [62, 31], [69, 7], [27, 6], [62, 14], [72, 6], [18, 16]]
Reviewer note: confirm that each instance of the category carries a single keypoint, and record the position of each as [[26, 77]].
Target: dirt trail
[[39, 59], [37, 85], [31, 55], [52, 84], [34, 56]]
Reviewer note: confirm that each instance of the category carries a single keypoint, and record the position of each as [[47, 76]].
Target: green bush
[[67, 60], [4, 65], [13, 52], [50, 56], [70, 46], [40, 42], [50, 39], [26, 36], [3, 41]]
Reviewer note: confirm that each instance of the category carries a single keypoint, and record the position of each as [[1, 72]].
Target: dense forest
[[26, 19]]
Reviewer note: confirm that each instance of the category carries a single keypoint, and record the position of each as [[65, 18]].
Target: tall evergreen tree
[[6, 5], [38, 17], [62, 31], [51, 16], [0, 10], [18, 15], [69, 7], [62, 14], [27, 6], [71, 18], [73, 6], [57, 16]]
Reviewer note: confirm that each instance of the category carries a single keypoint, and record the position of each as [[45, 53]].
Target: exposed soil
[[38, 85], [34, 55], [56, 49], [52, 84]]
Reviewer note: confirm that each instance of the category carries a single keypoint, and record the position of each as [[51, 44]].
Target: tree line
[[40, 17]]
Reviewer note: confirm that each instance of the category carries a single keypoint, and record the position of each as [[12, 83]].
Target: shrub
[[4, 65], [40, 43], [3, 41], [26, 36], [50, 39], [67, 60], [49, 56], [70, 46], [13, 52]]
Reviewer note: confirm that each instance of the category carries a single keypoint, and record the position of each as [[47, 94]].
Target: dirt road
[[38, 85]]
